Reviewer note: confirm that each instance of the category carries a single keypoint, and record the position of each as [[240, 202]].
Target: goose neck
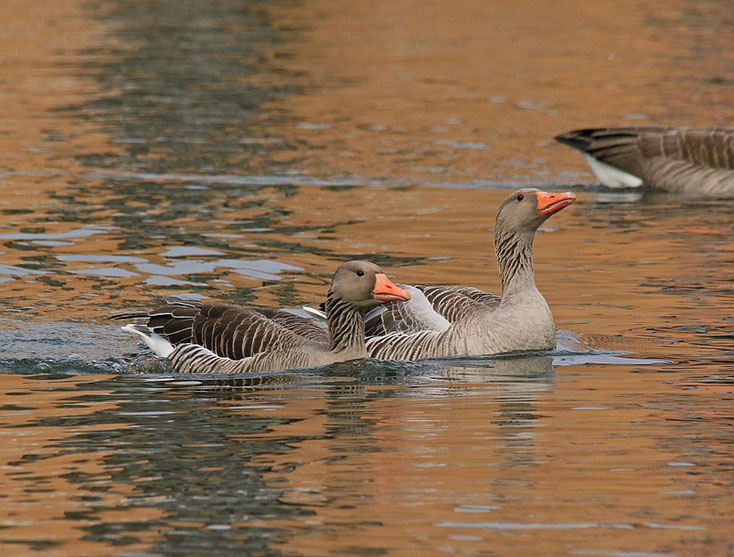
[[515, 260], [346, 326]]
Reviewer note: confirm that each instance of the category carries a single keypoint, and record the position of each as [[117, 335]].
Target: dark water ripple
[[181, 92]]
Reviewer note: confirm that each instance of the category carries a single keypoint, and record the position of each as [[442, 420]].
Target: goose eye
[[360, 273], [520, 196]]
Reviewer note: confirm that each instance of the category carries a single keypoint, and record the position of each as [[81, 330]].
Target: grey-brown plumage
[[441, 321], [218, 338], [676, 159], [445, 305]]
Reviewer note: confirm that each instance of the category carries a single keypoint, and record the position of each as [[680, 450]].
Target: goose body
[[218, 338], [444, 321], [682, 160]]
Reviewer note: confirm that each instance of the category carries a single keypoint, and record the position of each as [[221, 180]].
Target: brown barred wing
[[618, 147], [431, 308], [705, 147], [632, 148], [242, 332], [456, 302], [173, 319], [303, 327]]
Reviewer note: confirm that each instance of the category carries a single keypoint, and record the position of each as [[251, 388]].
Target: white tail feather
[[610, 176], [156, 343]]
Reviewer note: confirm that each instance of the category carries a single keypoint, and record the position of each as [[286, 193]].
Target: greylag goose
[[206, 338], [683, 160], [441, 321]]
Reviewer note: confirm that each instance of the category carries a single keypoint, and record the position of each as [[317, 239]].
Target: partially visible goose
[[683, 160], [441, 321], [206, 338]]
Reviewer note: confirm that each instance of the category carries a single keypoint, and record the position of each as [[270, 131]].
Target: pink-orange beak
[[385, 290], [549, 203]]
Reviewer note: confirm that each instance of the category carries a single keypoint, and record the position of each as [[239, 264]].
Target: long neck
[[515, 259], [346, 325]]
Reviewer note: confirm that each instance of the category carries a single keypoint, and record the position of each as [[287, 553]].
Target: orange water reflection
[[394, 95], [476, 90], [39, 495]]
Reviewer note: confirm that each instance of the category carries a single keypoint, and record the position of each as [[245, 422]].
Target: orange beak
[[385, 290], [550, 203]]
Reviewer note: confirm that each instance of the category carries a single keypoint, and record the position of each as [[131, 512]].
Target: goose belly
[[476, 336]]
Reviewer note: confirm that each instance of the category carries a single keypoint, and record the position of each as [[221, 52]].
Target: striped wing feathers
[[243, 332], [234, 332], [630, 149], [431, 308], [456, 302]]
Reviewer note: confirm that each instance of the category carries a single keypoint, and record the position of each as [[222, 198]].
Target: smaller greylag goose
[[207, 338], [682, 160], [444, 321]]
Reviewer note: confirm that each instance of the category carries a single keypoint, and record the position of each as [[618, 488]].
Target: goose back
[[211, 338], [455, 302], [227, 330], [677, 159], [430, 308]]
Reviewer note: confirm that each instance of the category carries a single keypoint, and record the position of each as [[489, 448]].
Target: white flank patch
[[610, 176], [156, 343]]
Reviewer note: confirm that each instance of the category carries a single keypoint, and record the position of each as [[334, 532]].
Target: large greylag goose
[[206, 338], [441, 321], [684, 160]]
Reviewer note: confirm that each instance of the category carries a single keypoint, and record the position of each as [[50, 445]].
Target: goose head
[[523, 211], [363, 285]]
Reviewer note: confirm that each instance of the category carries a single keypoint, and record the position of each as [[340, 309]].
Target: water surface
[[239, 152]]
